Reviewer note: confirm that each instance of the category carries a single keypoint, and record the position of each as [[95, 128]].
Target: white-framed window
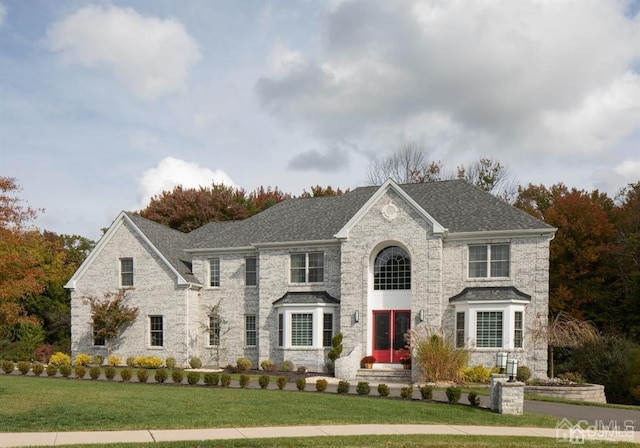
[[214, 272], [250, 330], [305, 326], [490, 325], [518, 329], [251, 271], [156, 331], [489, 260], [392, 269], [98, 341], [307, 267], [460, 316], [214, 329], [489, 329], [126, 272]]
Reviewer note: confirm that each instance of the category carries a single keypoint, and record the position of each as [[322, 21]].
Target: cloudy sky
[[104, 104]]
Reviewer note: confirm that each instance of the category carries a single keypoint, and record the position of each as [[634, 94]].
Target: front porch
[[385, 373]]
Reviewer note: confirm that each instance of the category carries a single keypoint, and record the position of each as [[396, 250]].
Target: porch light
[[421, 315], [512, 369], [501, 361], [356, 316]]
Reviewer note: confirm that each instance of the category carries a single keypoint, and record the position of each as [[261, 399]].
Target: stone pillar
[[495, 379], [510, 398]]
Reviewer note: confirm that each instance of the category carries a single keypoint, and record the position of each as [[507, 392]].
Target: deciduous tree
[[111, 315]]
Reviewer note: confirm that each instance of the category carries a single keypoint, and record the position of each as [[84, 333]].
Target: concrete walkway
[[175, 435]]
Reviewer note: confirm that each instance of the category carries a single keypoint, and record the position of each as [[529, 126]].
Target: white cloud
[[3, 14], [151, 56], [612, 179], [172, 172]]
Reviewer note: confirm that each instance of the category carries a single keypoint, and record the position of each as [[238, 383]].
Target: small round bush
[[37, 368], [211, 379], [114, 360], [125, 374], [286, 366], [477, 374], [225, 380], [426, 392], [7, 366], [131, 362], [195, 362], [474, 399], [406, 392], [193, 378], [110, 372], [52, 370], [244, 381], [453, 394], [170, 362], [59, 358], [65, 370], [383, 390], [143, 375], [160, 375], [97, 359], [148, 362], [523, 374], [281, 382], [363, 388], [267, 365], [94, 372], [343, 387], [82, 359], [321, 385], [243, 364], [177, 375], [24, 367], [263, 381], [301, 384], [79, 371]]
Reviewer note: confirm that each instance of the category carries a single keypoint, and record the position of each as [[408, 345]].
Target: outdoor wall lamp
[[512, 369], [501, 361], [421, 315], [356, 316]]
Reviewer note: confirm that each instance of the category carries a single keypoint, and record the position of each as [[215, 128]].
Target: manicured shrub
[[82, 359], [477, 374], [286, 366], [7, 366], [79, 371], [363, 388], [125, 374], [195, 362], [453, 394], [301, 384], [52, 369], [383, 390], [43, 353], [426, 392], [24, 367], [343, 387], [210, 379], [524, 373], [131, 362], [37, 368], [336, 350], [321, 385], [244, 381], [110, 372], [474, 399], [263, 381], [406, 392], [193, 378], [436, 355], [114, 360], [143, 375], [94, 372], [65, 370], [148, 362], [160, 375], [59, 358], [170, 362], [243, 364], [267, 365], [225, 380], [177, 375], [281, 381], [97, 359]]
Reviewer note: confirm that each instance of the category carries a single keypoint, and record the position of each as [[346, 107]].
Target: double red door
[[389, 328]]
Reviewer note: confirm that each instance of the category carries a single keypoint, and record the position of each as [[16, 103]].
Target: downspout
[[186, 332]]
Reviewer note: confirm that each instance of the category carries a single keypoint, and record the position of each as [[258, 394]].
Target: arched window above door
[[392, 269]]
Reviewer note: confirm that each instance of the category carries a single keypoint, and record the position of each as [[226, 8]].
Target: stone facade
[[439, 263]]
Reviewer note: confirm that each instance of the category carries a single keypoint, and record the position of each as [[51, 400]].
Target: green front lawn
[[58, 404]]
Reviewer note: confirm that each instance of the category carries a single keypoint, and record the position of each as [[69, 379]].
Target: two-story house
[[370, 264]]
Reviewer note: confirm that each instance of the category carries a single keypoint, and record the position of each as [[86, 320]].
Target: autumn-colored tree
[[319, 191], [263, 198], [490, 175], [110, 316]]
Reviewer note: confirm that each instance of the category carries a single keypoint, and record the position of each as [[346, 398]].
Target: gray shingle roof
[[307, 298], [479, 294]]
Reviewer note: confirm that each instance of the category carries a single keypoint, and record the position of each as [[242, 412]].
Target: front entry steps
[[385, 373]]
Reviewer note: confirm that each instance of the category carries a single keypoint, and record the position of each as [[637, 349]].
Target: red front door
[[389, 327]]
